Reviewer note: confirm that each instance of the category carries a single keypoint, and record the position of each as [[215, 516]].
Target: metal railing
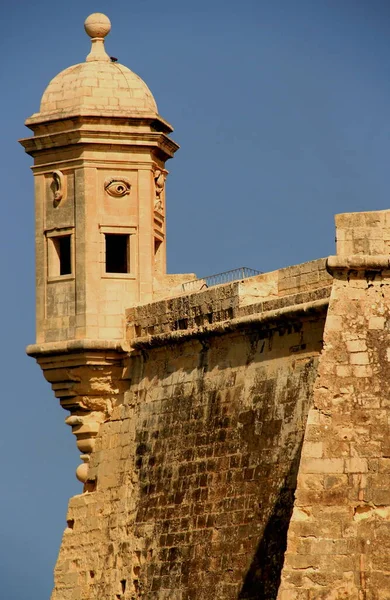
[[219, 278]]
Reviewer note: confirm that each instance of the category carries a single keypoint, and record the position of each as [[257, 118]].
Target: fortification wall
[[339, 536], [191, 482], [228, 419]]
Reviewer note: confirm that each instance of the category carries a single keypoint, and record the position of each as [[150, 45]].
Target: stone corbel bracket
[[86, 377]]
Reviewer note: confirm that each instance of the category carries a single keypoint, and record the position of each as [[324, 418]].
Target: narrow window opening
[[64, 254], [157, 244], [117, 253], [60, 255]]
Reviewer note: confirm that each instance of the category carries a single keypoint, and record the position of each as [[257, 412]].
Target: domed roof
[[98, 87]]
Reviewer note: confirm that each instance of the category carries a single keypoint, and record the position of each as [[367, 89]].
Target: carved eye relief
[[117, 187]]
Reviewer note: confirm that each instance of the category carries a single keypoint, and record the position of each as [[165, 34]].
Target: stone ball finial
[[97, 25]]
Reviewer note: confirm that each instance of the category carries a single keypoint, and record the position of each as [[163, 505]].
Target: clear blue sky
[[282, 111]]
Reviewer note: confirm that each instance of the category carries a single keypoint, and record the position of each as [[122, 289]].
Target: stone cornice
[[38, 120], [96, 137], [72, 163], [358, 262]]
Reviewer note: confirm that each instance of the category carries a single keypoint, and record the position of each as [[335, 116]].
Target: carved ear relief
[[58, 186], [117, 187]]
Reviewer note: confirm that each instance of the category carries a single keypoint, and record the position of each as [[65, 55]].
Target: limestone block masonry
[[235, 440], [194, 473], [339, 536]]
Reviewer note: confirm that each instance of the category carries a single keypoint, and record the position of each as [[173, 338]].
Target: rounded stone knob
[[82, 472], [97, 25]]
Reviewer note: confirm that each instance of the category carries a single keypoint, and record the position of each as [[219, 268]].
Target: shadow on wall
[[263, 577], [218, 426]]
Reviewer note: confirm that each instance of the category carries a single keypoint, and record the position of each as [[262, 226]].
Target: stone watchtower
[[99, 149], [234, 440]]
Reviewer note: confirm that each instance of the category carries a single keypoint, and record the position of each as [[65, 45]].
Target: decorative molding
[[358, 262], [160, 176], [88, 383], [117, 187], [93, 134]]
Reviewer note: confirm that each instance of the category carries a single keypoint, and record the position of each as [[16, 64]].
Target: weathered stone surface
[[198, 466], [219, 427], [349, 421]]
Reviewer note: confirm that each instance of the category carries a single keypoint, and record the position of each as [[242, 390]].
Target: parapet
[[267, 296]]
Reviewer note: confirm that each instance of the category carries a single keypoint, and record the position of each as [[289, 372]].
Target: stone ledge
[[67, 346], [268, 291], [358, 262], [39, 118], [153, 139]]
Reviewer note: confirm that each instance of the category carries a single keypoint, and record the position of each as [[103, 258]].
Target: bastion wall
[[191, 482], [339, 535], [236, 442]]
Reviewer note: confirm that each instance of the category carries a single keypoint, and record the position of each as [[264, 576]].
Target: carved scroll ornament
[[159, 183]]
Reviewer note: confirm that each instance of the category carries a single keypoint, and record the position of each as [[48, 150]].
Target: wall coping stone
[[222, 327]]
